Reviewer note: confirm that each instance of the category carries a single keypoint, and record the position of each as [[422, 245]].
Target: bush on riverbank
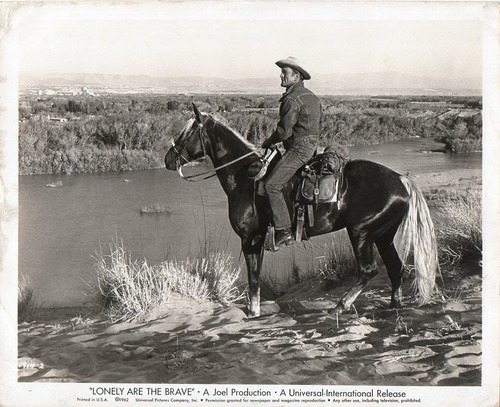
[[460, 133], [88, 159], [94, 144], [125, 132], [130, 289]]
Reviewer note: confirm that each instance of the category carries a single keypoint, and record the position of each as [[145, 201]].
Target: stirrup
[[269, 244], [270, 240], [286, 237]]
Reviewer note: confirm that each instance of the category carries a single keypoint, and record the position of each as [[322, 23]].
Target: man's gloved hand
[[268, 144]]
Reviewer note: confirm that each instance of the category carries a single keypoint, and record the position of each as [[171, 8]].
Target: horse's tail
[[418, 237]]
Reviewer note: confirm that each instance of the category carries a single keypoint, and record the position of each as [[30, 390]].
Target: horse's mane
[[217, 118], [186, 127]]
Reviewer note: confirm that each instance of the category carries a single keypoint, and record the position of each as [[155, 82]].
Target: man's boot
[[283, 237]]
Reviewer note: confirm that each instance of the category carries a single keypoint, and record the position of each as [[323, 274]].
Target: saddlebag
[[318, 188]]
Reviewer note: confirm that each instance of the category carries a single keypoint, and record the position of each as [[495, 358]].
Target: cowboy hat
[[294, 63]]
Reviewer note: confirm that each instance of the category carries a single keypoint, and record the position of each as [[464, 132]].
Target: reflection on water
[[61, 229]]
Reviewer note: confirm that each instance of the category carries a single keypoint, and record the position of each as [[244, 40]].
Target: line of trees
[[123, 132]]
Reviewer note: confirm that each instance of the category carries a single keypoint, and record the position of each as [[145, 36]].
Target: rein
[[206, 174], [213, 172]]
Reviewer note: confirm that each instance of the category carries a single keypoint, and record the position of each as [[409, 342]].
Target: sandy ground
[[295, 341]]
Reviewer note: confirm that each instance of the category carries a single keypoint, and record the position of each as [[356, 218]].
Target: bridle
[[177, 153], [205, 174]]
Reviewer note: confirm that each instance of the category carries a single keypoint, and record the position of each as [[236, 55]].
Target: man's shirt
[[300, 117]]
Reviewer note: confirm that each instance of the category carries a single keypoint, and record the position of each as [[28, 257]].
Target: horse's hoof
[[337, 311], [396, 305], [251, 315]]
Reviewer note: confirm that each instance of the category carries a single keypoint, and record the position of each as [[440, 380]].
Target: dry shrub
[[211, 278], [339, 262], [130, 289], [127, 289], [459, 229], [27, 306]]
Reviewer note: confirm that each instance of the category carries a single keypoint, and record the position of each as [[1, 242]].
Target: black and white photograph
[[249, 203]]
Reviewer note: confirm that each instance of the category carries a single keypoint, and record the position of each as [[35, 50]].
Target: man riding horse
[[298, 130], [375, 204]]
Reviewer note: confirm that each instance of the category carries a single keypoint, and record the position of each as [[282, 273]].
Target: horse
[[374, 203]]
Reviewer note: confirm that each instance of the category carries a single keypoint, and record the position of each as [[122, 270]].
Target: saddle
[[319, 179], [317, 182]]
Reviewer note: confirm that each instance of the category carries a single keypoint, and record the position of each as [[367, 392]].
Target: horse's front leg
[[254, 255]]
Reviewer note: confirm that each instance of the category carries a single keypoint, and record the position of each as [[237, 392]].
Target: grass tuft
[[127, 289], [459, 229], [339, 262], [27, 306], [130, 289]]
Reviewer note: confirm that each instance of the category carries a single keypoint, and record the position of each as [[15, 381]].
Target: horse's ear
[[197, 114]]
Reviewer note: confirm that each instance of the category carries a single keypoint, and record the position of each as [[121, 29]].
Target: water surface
[[61, 229]]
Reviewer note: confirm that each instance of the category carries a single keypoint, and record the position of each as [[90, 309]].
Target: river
[[62, 229]]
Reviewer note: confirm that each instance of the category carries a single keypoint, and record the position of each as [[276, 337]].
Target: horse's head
[[189, 145]]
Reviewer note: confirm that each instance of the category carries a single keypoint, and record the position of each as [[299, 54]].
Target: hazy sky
[[242, 47]]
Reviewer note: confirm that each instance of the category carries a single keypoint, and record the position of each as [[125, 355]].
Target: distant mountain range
[[377, 83]]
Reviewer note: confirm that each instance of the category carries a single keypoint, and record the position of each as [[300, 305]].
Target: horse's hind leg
[[386, 249], [367, 267], [394, 269]]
